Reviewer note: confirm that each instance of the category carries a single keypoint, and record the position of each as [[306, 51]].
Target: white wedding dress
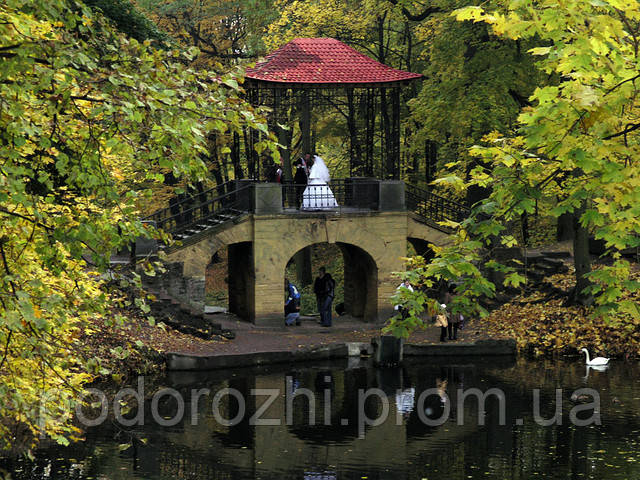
[[318, 195]]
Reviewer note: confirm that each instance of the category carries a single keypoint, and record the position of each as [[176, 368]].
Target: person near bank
[[292, 304], [324, 289], [442, 321], [405, 285], [318, 287]]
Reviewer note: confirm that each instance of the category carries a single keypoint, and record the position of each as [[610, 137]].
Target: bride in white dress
[[318, 195]]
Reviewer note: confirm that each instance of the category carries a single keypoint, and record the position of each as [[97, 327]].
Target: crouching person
[[292, 304]]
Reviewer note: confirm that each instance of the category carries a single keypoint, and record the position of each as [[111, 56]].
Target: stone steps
[[182, 318], [205, 224]]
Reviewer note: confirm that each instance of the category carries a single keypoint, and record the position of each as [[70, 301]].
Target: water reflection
[[329, 442]]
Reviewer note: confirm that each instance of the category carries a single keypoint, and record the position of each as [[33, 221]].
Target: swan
[[596, 361]]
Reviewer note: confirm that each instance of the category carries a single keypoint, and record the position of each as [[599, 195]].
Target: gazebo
[[309, 74]]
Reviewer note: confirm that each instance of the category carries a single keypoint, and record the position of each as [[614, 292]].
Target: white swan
[[596, 361]]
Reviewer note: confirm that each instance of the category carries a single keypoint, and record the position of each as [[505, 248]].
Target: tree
[[475, 82], [576, 147], [89, 121], [128, 19], [576, 151], [224, 30]]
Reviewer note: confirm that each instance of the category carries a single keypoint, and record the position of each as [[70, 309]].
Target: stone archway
[[373, 244], [421, 246], [360, 280]]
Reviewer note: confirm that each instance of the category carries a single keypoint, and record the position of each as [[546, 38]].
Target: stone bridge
[[263, 235]]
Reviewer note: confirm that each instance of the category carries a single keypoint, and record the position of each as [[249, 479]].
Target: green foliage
[[224, 30], [575, 149], [128, 19], [88, 121], [475, 82], [452, 264]]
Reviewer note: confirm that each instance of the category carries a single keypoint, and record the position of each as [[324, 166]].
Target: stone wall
[[260, 246], [189, 291]]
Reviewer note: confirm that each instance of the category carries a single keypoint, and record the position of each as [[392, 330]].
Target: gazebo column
[[370, 114], [385, 124], [355, 157], [281, 112], [395, 132], [305, 122]]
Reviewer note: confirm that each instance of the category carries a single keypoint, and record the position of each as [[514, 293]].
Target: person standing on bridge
[[306, 162], [299, 180]]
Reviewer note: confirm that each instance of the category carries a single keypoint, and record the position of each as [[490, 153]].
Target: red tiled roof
[[323, 60]]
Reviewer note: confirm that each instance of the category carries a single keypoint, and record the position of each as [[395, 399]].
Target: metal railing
[[191, 214], [340, 194], [433, 208], [186, 201], [205, 209]]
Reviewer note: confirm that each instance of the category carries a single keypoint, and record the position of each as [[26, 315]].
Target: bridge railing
[[434, 208], [183, 214], [340, 194], [231, 199], [185, 202]]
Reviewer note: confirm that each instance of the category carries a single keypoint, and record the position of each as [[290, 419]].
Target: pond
[[349, 420]]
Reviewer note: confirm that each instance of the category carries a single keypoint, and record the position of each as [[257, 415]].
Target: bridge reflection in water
[[400, 447]]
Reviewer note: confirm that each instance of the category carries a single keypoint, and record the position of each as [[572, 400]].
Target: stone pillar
[[269, 284], [392, 196], [241, 280], [389, 260], [267, 198], [195, 293]]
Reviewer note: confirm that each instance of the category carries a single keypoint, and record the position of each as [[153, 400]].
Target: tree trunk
[[524, 220], [235, 157], [564, 228], [302, 259], [581, 259], [474, 192]]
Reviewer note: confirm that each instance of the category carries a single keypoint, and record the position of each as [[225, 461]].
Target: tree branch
[[427, 12], [629, 128]]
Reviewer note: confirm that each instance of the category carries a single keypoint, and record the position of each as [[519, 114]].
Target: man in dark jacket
[[328, 293], [318, 288], [300, 181]]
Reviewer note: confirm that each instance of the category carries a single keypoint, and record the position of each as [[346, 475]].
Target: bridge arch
[[260, 246], [360, 280]]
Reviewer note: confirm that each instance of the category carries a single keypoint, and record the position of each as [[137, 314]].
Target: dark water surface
[[402, 446]]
